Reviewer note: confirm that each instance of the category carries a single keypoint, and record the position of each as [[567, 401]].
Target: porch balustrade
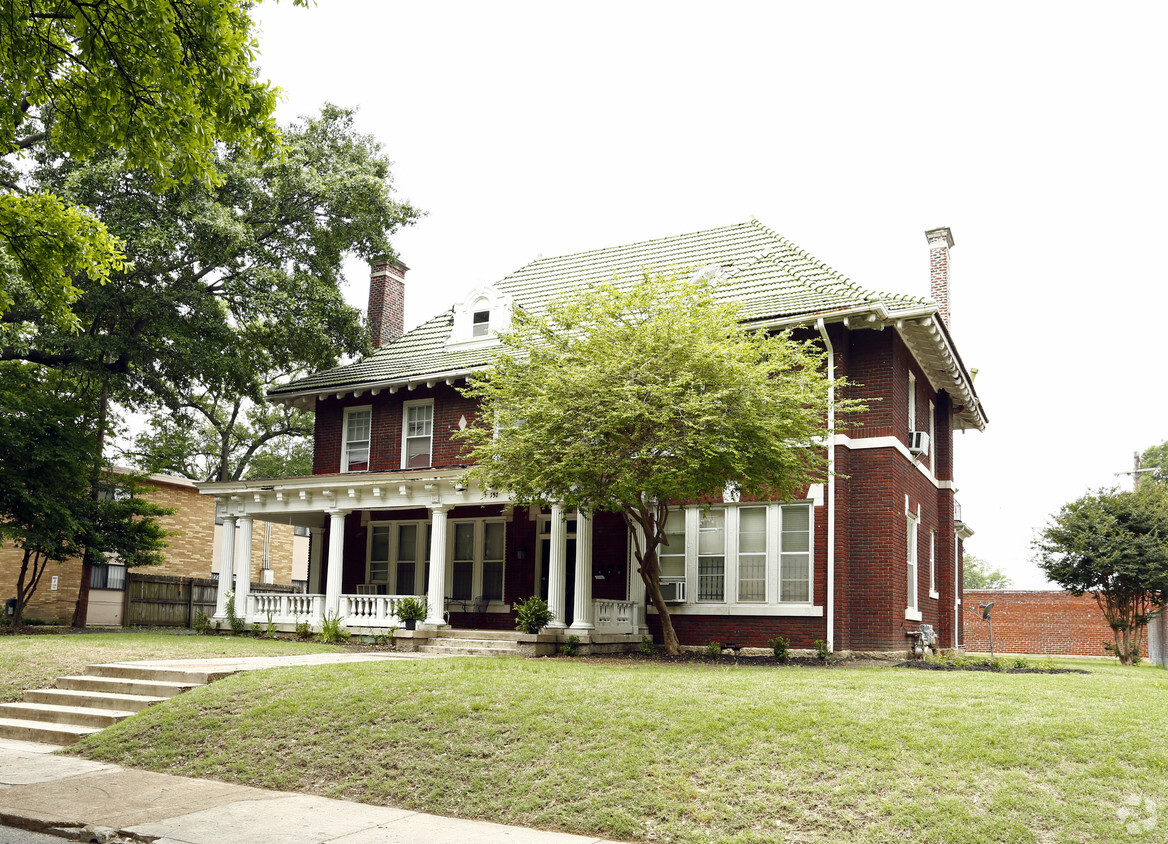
[[284, 608], [615, 616]]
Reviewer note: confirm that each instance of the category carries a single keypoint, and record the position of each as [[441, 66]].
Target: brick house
[[859, 561], [191, 551]]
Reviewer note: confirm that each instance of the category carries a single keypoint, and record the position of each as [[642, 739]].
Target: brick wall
[[1036, 622]]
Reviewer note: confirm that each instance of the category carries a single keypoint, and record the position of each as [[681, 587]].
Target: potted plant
[[412, 609], [532, 615]]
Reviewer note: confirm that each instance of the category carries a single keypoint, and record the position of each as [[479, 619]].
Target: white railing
[[284, 607], [371, 610], [615, 616]]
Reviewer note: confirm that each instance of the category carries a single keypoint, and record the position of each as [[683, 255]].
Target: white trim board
[[861, 443]]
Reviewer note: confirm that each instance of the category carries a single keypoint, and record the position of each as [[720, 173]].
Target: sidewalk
[[92, 801]]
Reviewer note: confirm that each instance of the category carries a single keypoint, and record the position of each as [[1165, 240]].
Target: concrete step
[[123, 686], [164, 675], [41, 731], [82, 716], [496, 635], [91, 699], [466, 651], [494, 644]]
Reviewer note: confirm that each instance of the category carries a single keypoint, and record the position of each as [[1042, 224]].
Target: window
[[480, 324], [752, 553], [912, 562], [109, 576], [932, 437], [477, 562], [395, 549], [355, 445], [671, 557], [933, 565], [417, 434], [712, 555], [912, 402], [379, 554], [795, 556], [406, 562]]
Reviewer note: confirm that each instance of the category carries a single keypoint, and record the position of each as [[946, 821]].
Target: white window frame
[[912, 610], [773, 604], [912, 402], [480, 329], [478, 556], [766, 554], [933, 593], [405, 437], [932, 438], [349, 412], [422, 551]]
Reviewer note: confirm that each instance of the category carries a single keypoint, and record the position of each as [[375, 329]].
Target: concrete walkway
[[94, 801]]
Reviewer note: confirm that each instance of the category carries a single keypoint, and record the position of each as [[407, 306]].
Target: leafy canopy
[[649, 392], [977, 574], [162, 81]]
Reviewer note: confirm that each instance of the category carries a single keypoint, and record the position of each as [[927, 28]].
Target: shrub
[[412, 608], [821, 651], [533, 614], [713, 650], [303, 630], [238, 625], [781, 646], [571, 646], [271, 630], [201, 624], [332, 632], [647, 647]]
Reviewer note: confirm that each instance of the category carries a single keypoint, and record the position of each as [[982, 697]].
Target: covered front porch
[[373, 537]]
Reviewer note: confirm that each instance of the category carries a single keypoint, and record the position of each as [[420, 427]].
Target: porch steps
[[473, 643], [85, 704]]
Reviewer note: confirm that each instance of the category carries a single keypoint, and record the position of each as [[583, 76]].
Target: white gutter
[[830, 485]]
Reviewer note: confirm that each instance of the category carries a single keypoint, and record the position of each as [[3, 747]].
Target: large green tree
[[636, 397], [1113, 545], [1155, 461], [977, 574], [161, 81]]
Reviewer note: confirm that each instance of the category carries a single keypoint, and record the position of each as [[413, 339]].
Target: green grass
[[35, 661], [685, 753]]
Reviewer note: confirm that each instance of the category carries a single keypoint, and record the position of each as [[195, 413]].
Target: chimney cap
[[389, 261], [936, 234]]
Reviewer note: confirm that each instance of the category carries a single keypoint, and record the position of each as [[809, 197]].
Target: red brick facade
[[387, 302], [1038, 622]]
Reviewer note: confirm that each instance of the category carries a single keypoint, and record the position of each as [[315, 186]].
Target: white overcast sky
[[1034, 130]]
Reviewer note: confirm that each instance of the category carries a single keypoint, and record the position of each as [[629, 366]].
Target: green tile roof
[[770, 276]]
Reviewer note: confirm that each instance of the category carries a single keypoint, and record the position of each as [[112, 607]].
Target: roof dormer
[[479, 318]]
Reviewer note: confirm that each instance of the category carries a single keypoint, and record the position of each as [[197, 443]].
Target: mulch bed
[[934, 666]]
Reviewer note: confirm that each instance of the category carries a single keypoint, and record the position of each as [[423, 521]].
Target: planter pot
[[411, 623]]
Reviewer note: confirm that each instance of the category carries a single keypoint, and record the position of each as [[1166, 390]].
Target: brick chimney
[[387, 301], [940, 242]]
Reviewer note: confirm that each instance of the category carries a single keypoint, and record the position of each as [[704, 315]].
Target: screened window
[[795, 554], [712, 556], [493, 560], [358, 424], [379, 554], [407, 559], [752, 553], [418, 435], [463, 565]]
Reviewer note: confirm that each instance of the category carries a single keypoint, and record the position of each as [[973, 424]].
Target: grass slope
[[685, 753], [35, 661]]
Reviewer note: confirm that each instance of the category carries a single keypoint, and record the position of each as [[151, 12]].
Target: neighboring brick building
[[189, 552], [859, 561], [1043, 621]]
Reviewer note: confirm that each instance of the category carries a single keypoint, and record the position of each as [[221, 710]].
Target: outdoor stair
[[473, 643], [85, 704]]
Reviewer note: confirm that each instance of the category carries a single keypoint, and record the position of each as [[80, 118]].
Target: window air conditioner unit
[[918, 442], [673, 592]]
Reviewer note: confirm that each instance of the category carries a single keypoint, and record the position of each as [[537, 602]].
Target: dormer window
[[479, 318]]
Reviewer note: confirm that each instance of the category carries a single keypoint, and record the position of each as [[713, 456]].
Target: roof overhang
[[306, 399], [926, 336]]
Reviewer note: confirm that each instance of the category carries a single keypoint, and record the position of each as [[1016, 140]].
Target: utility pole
[[1136, 471]]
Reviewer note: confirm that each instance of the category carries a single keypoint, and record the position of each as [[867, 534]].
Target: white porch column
[[332, 588], [315, 559], [557, 566], [243, 568], [582, 600], [436, 595], [226, 566]]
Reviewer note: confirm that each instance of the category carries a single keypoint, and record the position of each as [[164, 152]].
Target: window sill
[[934, 595], [912, 615], [790, 610]]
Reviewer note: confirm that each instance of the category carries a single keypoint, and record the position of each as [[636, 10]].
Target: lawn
[[34, 661], [686, 753]]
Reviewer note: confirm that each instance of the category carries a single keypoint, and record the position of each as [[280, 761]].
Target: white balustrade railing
[[371, 610], [284, 607], [615, 616]]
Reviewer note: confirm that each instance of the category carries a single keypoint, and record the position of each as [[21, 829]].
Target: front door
[[545, 554]]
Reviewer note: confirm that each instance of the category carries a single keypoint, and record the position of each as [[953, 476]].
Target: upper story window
[[418, 434], [912, 562], [480, 323], [477, 318], [355, 439], [912, 402]]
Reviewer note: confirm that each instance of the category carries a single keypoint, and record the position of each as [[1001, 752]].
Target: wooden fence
[[155, 600]]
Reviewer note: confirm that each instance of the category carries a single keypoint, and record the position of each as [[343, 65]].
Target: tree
[[637, 397], [1115, 546], [1156, 459], [161, 81], [977, 574], [48, 507]]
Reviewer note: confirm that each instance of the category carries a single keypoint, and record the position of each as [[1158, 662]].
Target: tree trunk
[[650, 574], [81, 608]]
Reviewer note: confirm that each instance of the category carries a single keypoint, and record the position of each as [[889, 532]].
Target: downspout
[[830, 485]]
